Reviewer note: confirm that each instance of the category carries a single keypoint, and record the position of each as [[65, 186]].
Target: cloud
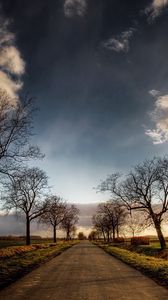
[[121, 42], [12, 65], [159, 116], [7, 83], [155, 9], [75, 8], [154, 93], [11, 61]]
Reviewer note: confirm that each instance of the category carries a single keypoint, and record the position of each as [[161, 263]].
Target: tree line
[[145, 190], [25, 189]]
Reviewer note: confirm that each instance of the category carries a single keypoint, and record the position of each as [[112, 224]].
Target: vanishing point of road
[[84, 272]]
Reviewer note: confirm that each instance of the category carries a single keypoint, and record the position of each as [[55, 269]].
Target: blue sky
[[98, 71]]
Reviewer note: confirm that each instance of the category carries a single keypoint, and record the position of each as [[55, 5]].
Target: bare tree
[[101, 224], [25, 192], [56, 209], [144, 189], [93, 235], [109, 218], [70, 220], [136, 222], [15, 131]]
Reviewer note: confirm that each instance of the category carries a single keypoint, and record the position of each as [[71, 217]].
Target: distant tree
[[24, 193], [15, 132], [135, 223], [109, 218], [70, 220], [81, 236], [92, 235], [73, 232], [144, 189], [56, 209], [101, 224]]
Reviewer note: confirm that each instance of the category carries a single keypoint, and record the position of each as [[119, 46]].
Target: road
[[84, 272]]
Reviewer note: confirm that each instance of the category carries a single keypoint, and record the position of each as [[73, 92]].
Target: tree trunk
[[108, 236], [27, 230], [160, 234], [117, 229], [54, 234], [113, 234], [68, 235], [104, 236]]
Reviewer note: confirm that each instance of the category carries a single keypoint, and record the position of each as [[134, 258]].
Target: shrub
[[81, 236], [119, 240], [140, 240]]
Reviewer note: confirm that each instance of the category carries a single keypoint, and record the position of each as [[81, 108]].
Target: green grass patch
[[150, 250], [18, 265], [156, 268]]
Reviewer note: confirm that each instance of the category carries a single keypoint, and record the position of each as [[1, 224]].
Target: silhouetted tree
[[92, 235], [101, 225], [81, 236], [144, 189], [25, 192], [56, 211], [70, 220], [15, 131], [109, 218]]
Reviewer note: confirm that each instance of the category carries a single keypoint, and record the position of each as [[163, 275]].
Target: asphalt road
[[84, 272]]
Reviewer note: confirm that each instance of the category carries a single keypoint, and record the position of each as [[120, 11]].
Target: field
[[149, 259], [21, 241], [17, 260]]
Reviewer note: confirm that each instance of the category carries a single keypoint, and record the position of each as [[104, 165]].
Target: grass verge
[[155, 268], [14, 267]]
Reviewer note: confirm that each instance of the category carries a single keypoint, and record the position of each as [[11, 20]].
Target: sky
[[98, 71]]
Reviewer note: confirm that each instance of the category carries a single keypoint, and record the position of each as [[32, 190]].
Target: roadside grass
[[150, 250], [14, 267], [11, 251], [156, 268]]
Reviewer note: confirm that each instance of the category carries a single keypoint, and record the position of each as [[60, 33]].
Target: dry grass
[[11, 251]]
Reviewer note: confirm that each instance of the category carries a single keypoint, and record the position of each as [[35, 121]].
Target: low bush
[[140, 240], [119, 240]]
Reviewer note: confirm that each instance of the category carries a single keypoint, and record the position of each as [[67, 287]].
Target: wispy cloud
[[75, 8], [154, 93], [159, 116], [155, 9], [12, 64], [121, 42]]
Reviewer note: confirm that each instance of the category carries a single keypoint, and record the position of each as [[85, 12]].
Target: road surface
[[84, 272]]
